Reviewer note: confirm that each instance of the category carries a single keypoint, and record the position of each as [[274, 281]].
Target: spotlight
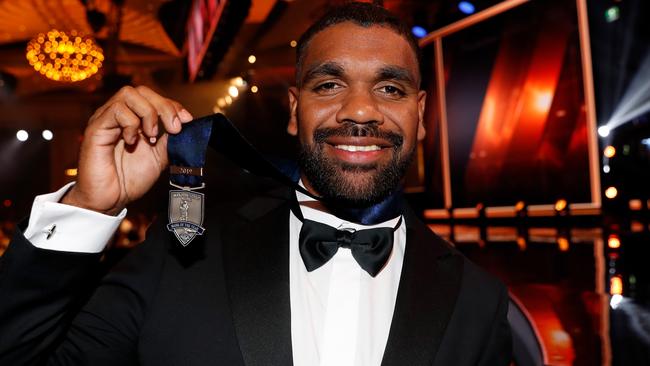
[[614, 242], [252, 59], [22, 135], [221, 102], [228, 99], [606, 168], [254, 89], [418, 31], [233, 91], [616, 285], [603, 131], [466, 7], [72, 172], [47, 135], [563, 244], [611, 192], [609, 151], [612, 14], [293, 43], [560, 205], [238, 81]]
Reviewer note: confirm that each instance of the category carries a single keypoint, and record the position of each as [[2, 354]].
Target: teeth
[[358, 148]]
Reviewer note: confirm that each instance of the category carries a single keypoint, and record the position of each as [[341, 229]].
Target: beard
[[354, 185]]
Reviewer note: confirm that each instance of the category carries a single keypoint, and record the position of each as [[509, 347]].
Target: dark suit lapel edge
[[256, 262], [427, 293]]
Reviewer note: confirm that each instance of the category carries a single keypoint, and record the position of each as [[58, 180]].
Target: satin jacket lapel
[[426, 296], [256, 256]]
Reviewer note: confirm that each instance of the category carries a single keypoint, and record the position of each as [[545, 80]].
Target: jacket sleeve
[[55, 310], [498, 350]]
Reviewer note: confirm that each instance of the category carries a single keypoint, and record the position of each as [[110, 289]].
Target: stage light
[[560, 205], [466, 7], [646, 142], [221, 102], [252, 59], [238, 81], [418, 31], [614, 242], [606, 168], [563, 244], [72, 172], [254, 89], [520, 206], [616, 285], [47, 135], [612, 14], [228, 99], [293, 43], [233, 91], [22, 135], [611, 192], [603, 131], [609, 151], [615, 301]]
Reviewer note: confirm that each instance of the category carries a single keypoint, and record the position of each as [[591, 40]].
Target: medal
[[186, 152]]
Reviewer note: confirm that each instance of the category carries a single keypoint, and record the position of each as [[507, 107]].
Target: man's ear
[[422, 99], [292, 127]]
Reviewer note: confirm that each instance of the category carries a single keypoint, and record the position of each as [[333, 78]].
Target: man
[[250, 292]]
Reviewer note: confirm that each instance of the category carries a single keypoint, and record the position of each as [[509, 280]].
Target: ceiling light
[[47, 134], [466, 7], [233, 91], [252, 59], [62, 57], [418, 31], [254, 89], [22, 135], [293, 43]]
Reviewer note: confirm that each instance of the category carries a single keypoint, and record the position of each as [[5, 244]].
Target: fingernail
[[175, 122], [152, 140], [154, 130], [185, 115]]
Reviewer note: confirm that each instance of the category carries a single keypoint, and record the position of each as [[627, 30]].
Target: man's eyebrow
[[324, 69], [395, 73]]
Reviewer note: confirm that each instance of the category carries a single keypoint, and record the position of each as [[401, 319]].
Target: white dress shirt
[[340, 315]]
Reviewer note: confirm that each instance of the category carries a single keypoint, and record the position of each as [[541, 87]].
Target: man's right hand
[[121, 154]]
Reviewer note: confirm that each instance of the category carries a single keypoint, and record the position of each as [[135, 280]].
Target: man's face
[[357, 112]]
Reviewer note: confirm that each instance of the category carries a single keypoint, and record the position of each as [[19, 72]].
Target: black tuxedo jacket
[[224, 300]]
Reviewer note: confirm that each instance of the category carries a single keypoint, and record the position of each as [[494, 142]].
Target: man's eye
[[326, 86], [392, 90]]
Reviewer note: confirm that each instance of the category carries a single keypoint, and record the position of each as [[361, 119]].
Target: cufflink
[[50, 232]]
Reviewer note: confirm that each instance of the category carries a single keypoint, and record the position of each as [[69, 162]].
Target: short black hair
[[361, 14]]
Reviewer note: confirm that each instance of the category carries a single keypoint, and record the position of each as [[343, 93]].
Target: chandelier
[[64, 57]]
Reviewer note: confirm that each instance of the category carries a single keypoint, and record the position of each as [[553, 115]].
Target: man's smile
[[358, 150]]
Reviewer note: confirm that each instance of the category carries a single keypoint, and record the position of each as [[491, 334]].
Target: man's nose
[[359, 106]]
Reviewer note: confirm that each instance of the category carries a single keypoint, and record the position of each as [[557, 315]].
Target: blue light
[[418, 31], [466, 7]]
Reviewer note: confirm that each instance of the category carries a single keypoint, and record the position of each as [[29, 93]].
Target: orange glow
[[560, 205], [609, 151], [616, 285], [614, 242], [520, 206], [611, 192], [560, 338], [543, 101], [71, 172], [521, 243], [563, 244]]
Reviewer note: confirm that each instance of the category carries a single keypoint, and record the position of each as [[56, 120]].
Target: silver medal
[[185, 215]]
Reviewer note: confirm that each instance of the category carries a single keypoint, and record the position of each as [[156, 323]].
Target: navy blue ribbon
[[187, 150]]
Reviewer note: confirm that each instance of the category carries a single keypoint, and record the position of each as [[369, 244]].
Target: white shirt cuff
[[55, 226]]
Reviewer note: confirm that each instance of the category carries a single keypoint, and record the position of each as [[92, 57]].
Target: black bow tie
[[371, 248]]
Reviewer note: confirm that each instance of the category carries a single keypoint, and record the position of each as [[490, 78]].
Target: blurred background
[[536, 163]]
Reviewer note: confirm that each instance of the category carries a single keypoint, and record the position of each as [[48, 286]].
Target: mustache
[[358, 130]]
